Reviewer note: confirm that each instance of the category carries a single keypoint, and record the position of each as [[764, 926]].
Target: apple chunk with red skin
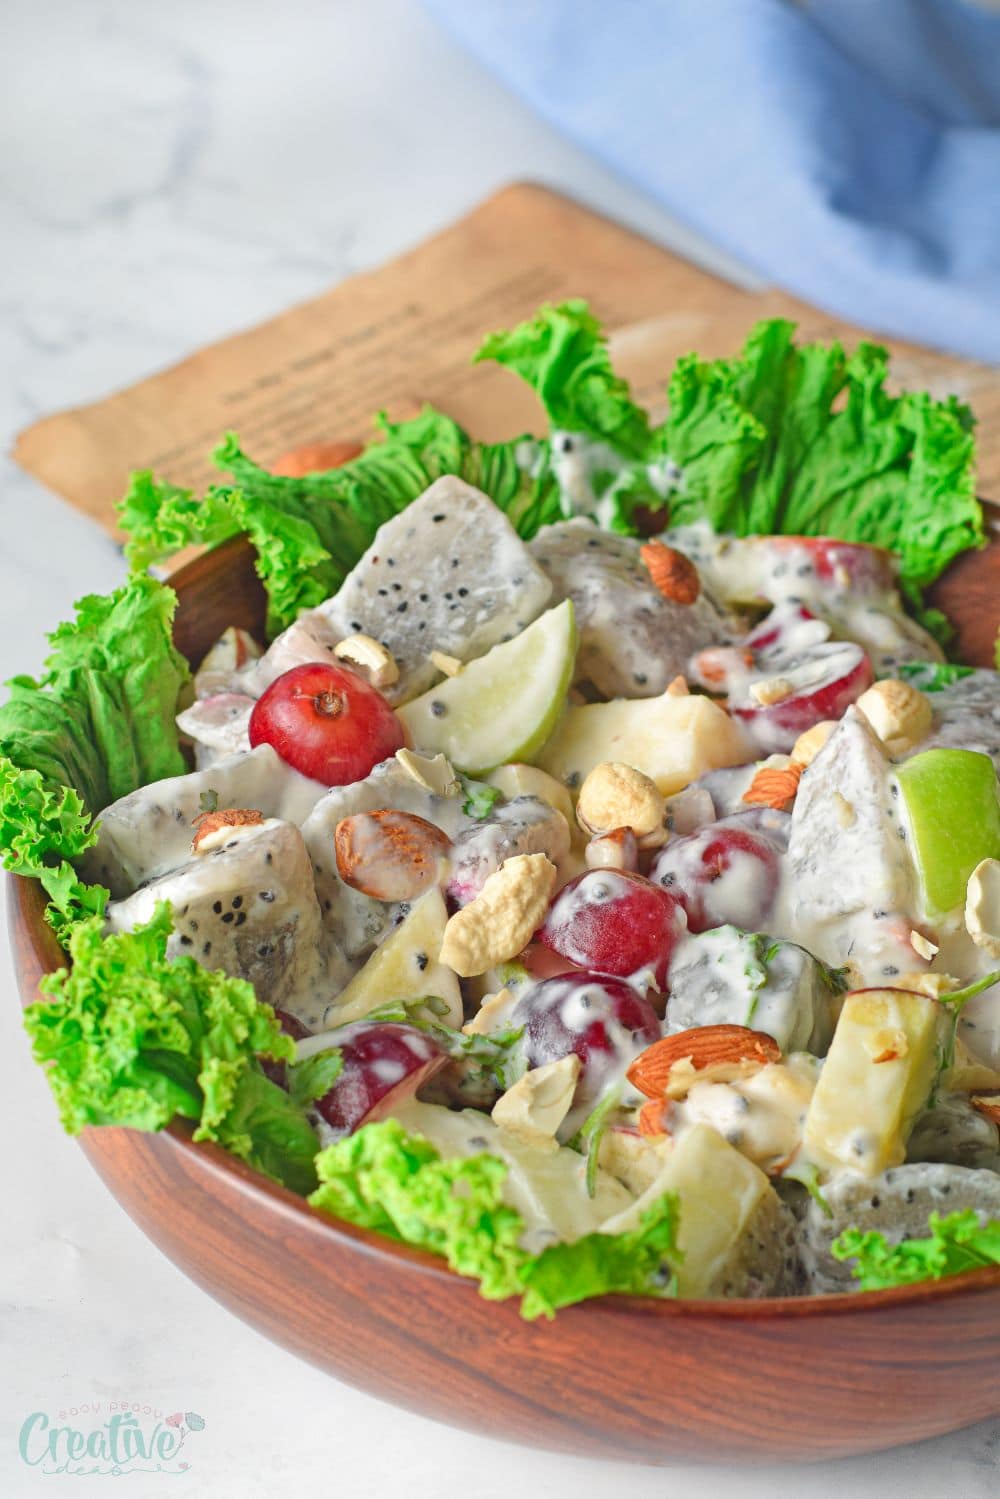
[[384, 1063]]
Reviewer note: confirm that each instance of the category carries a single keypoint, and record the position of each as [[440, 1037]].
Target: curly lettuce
[[397, 1183], [310, 531], [802, 439], [954, 1243], [98, 723], [562, 353], [130, 1038], [783, 438]]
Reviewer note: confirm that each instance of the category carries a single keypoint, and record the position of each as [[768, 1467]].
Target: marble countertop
[[169, 173]]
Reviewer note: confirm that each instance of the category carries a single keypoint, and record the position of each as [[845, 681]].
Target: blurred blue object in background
[[848, 150]]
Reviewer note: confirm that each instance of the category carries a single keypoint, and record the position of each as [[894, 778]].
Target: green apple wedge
[[953, 809], [502, 706]]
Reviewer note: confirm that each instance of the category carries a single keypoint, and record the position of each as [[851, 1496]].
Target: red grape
[[723, 875], [601, 1020], [854, 565], [825, 681], [614, 922], [384, 1062], [326, 722]]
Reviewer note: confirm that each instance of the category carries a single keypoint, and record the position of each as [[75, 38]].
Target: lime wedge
[[502, 706], [952, 799]]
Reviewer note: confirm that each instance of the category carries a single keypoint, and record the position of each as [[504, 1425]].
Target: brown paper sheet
[[404, 334]]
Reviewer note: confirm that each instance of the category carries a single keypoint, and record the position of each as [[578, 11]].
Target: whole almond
[[673, 574], [389, 855], [707, 1053]]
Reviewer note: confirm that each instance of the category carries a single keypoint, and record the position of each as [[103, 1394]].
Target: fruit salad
[[598, 897]]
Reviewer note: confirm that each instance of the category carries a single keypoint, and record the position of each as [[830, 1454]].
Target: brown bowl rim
[[25, 913]]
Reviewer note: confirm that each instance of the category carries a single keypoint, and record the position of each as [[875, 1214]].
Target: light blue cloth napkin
[[848, 150]]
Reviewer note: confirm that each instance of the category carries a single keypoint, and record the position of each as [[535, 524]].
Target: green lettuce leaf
[[639, 1262], [562, 353], [98, 723], [955, 1243], [130, 1038], [386, 1179], [803, 440], [310, 531]]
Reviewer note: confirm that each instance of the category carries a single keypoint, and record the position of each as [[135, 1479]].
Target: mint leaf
[[480, 799], [933, 676], [316, 1075]]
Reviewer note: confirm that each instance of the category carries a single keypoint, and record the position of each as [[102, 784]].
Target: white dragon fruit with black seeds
[[217, 726], [966, 715], [149, 832], [897, 1204], [728, 977], [633, 641], [449, 573], [247, 907]]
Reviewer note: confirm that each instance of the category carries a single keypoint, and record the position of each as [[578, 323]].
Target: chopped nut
[[923, 946], [808, 745], [619, 796], [886, 1045], [931, 984], [536, 1105], [389, 855], [500, 921], [771, 690], [213, 828], [982, 906], [371, 657], [618, 849], [900, 715], [774, 785], [450, 665], [436, 774], [673, 574], [493, 1014]]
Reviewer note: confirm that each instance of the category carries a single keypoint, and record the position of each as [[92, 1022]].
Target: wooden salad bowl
[[651, 1381]]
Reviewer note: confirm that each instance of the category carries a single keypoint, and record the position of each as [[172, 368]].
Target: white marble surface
[[170, 172]]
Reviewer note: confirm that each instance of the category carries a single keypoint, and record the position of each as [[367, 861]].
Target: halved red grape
[[326, 722], [614, 922], [726, 874], [384, 1063], [822, 683], [856, 565]]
